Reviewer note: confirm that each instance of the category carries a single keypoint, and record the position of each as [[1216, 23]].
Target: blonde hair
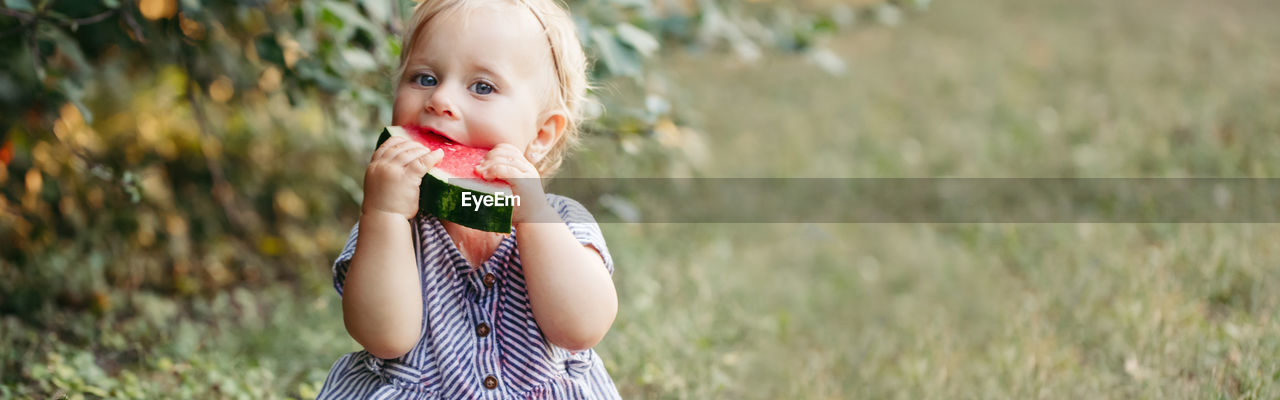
[[569, 63]]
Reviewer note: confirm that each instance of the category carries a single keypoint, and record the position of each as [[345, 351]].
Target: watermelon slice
[[452, 190]]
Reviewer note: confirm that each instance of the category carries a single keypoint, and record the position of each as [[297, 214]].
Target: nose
[[440, 104]]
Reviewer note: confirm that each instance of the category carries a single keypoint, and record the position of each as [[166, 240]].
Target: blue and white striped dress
[[479, 338]]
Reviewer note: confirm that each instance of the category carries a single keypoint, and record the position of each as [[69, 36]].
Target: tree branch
[[133, 24], [27, 17], [24, 16], [96, 18]]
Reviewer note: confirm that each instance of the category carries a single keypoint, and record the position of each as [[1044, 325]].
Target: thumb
[[427, 161]]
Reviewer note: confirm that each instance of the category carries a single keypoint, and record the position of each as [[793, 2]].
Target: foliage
[[239, 343], [183, 120]]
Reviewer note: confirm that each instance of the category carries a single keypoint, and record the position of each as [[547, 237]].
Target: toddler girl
[[444, 311]]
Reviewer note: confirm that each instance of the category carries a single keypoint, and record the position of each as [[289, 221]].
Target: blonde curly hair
[[568, 58]]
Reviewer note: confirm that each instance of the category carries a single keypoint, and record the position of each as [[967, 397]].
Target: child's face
[[481, 78]]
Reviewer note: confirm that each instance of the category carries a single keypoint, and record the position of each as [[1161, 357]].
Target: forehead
[[492, 34]]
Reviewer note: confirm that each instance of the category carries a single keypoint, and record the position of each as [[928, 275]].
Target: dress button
[[489, 280], [490, 382], [482, 330]]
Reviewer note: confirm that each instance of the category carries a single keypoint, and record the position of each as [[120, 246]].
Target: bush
[[184, 147]]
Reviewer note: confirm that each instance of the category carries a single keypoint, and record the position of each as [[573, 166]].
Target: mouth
[[437, 132]]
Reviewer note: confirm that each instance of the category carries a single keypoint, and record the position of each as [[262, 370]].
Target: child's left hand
[[506, 162]]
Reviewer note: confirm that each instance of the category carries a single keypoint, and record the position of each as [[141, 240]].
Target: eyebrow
[[484, 68], [496, 73]]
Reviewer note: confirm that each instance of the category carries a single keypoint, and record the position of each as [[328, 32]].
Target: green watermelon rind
[[438, 197]]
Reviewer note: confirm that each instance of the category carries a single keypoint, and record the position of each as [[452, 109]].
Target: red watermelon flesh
[[458, 166], [448, 185]]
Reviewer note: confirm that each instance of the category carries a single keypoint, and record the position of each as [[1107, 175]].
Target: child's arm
[[382, 297], [570, 290]]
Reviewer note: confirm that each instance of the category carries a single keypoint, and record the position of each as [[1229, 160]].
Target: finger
[[510, 157], [405, 153], [490, 166], [434, 158], [507, 148], [497, 158], [392, 142], [419, 166], [409, 155], [502, 150], [501, 171], [521, 166], [390, 148], [400, 147], [413, 167]]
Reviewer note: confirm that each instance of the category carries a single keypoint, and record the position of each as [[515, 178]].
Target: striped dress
[[479, 338]]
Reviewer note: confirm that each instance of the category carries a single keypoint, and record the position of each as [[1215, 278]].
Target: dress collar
[[453, 255]]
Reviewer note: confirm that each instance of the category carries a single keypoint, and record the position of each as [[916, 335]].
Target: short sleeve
[[343, 262], [583, 226]]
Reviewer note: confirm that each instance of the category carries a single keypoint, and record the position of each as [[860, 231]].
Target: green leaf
[[330, 18], [129, 183], [111, 3], [315, 72], [349, 19], [359, 60], [378, 10], [393, 46], [616, 58], [20, 5], [66, 45], [637, 38], [269, 49], [824, 24]]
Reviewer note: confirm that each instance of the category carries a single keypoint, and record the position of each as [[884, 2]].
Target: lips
[[437, 132]]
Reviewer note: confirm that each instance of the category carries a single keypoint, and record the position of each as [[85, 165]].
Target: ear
[[549, 131]]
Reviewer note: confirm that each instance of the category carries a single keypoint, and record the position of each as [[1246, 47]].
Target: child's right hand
[[394, 175]]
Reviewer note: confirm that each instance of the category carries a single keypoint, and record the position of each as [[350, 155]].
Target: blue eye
[[426, 80], [481, 88]]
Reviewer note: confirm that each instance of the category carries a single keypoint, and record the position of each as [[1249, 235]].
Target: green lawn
[[992, 88]]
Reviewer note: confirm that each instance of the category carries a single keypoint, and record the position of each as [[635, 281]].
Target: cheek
[[498, 115], [523, 123], [402, 110], [525, 117]]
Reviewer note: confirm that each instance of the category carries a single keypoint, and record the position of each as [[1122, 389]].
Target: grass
[[945, 311], [988, 89], [996, 88]]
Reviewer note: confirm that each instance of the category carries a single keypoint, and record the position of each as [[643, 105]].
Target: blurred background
[[179, 175]]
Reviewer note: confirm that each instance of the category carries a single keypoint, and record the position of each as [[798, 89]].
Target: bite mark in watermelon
[[453, 178]]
